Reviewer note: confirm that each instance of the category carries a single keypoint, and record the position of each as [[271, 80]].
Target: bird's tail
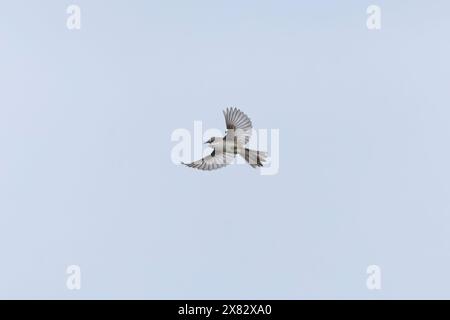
[[253, 157]]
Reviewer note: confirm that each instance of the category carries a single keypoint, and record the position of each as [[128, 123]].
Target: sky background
[[86, 176]]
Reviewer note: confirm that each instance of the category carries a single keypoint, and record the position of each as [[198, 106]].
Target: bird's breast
[[230, 146]]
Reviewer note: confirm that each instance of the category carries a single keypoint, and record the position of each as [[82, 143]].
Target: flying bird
[[225, 149]]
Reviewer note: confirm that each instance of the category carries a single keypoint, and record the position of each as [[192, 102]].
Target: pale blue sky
[[85, 170]]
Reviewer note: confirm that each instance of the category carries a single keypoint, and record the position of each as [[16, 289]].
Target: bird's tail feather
[[253, 157]]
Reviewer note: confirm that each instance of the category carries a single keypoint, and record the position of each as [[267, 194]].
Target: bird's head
[[213, 141]]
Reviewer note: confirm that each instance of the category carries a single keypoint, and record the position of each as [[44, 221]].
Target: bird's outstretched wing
[[238, 124], [213, 161]]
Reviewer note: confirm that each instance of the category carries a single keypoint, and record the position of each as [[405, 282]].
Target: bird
[[225, 149]]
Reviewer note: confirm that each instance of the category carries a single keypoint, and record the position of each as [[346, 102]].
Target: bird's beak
[[205, 142]]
